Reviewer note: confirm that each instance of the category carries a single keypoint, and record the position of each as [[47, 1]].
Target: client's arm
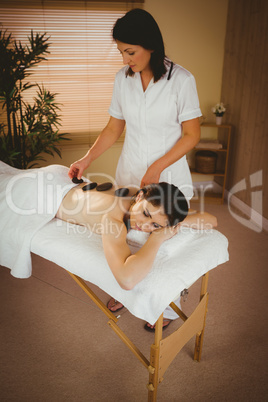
[[129, 269], [199, 220]]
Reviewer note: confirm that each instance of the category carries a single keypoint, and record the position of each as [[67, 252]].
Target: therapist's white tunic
[[153, 124]]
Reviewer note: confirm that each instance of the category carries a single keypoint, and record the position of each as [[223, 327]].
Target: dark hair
[[138, 27], [169, 197]]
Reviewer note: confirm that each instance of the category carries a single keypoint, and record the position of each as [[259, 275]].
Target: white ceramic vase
[[218, 120]]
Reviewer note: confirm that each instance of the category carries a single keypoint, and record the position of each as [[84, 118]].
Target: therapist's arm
[[106, 139], [191, 137]]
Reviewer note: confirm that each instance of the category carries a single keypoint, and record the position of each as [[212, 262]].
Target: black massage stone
[[104, 186], [121, 192], [89, 186], [75, 180]]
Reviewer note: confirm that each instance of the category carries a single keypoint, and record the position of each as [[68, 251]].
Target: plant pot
[[218, 120]]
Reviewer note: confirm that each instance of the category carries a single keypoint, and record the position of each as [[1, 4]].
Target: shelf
[[215, 125], [217, 173], [219, 177], [211, 149]]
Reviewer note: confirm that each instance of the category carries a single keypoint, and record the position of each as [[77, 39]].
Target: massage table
[[29, 226]]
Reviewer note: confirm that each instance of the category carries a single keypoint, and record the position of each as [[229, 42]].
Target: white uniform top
[[153, 124]]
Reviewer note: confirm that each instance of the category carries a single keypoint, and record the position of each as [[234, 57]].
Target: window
[[83, 58]]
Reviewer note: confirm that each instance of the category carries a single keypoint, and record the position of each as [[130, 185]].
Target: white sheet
[[179, 262], [23, 213]]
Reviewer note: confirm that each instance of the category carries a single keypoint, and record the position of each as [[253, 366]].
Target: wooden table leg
[[200, 337], [154, 361]]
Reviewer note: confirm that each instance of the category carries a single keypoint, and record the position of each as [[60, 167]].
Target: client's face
[[146, 217]]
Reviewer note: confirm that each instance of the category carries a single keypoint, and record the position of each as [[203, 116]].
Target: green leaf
[[37, 123]]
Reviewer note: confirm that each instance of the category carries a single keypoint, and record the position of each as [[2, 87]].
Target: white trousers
[[170, 313]]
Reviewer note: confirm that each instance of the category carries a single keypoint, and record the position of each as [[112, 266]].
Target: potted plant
[[219, 111], [27, 131]]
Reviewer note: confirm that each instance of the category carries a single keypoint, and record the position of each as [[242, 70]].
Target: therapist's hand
[[77, 168], [152, 175]]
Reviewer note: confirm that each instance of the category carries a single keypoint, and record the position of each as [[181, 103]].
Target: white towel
[[179, 263], [23, 212]]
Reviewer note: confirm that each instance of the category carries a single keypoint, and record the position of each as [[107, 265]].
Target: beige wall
[[244, 89], [105, 165], [194, 33]]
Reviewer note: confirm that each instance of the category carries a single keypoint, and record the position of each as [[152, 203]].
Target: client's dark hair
[[169, 197], [138, 27]]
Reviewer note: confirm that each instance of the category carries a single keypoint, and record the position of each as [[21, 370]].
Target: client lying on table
[[158, 209], [30, 200]]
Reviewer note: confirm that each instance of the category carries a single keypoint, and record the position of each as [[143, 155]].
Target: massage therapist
[[157, 101]]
